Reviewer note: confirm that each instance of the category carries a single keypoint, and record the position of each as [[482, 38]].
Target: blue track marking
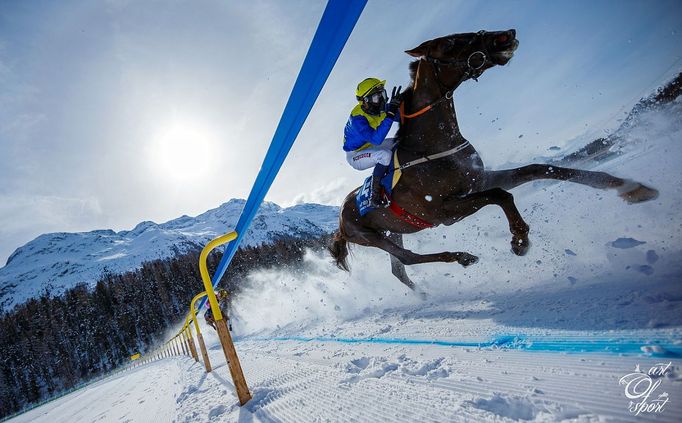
[[656, 348]]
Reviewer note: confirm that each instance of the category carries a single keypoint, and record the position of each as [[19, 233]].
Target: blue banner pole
[[337, 23]]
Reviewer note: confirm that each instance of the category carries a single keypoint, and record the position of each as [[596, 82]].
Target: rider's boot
[[376, 199]]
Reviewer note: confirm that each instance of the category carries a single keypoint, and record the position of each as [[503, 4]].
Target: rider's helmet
[[372, 94], [222, 294]]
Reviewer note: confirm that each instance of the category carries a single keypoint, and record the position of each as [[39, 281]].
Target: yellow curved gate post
[[223, 333], [200, 337]]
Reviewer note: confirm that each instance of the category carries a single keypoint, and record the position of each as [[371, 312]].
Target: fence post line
[[204, 353], [200, 337], [225, 339], [183, 342], [192, 346], [178, 345]]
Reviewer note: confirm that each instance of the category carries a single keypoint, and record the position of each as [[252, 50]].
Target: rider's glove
[[394, 105]]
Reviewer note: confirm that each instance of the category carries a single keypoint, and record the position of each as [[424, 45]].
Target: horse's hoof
[[466, 259], [520, 246], [634, 192]]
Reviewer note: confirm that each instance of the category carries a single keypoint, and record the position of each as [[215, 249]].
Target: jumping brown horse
[[443, 177]]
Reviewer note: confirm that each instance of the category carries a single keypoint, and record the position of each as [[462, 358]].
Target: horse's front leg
[[458, 208], [628, 190], [373, 238]]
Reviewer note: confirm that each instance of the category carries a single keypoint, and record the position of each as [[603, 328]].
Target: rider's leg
[[380, 158]]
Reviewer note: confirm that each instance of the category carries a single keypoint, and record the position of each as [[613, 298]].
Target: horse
[[443, 177]]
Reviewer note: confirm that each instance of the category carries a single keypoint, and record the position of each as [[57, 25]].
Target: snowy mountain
[[58, 261]]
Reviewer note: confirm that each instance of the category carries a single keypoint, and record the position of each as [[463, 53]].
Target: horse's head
[[471, 53]]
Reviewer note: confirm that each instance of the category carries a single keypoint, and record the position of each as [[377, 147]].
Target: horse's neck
[[440, 123]]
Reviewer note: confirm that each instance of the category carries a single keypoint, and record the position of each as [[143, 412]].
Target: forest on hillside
[[53, 343]]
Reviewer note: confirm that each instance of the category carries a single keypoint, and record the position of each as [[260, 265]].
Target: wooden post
[[193, 348], [185, 341], [183, 345], [233, 362], [204, 353]]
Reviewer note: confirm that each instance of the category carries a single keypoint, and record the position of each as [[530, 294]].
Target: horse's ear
[[421, 50]]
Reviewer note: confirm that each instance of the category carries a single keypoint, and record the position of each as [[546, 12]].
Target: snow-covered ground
[[368, 382], [598, 298]]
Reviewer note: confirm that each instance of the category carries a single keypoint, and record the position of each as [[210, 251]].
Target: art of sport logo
[[641, 388]]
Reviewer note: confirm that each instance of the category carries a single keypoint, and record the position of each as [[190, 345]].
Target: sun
[[183, 151]]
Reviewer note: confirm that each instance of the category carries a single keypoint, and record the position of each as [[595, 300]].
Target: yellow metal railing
[[183, 342], [223, 333]]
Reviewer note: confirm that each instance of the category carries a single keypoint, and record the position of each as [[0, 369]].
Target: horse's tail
[[339, 250]]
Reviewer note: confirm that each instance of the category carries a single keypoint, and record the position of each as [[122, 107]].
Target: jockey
[[365, 141]]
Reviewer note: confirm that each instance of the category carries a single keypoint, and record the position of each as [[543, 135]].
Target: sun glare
[[183, 151]]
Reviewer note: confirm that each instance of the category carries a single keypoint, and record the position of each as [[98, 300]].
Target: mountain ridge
[[59, 260]]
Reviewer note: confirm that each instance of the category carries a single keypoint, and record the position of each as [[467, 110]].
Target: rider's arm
[[374, 136]]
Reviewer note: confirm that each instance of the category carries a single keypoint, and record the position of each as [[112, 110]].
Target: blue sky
[[116, 112]]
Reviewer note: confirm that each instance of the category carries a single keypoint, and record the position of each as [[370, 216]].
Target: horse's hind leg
[[630, 191], [461, 207]]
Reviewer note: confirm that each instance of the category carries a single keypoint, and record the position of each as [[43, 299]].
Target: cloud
[[332, 193]]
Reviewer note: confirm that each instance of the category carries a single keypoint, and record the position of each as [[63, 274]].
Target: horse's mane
[[407, 94], [413, 71]]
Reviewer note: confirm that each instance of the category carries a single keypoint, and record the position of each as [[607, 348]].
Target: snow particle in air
[[428, 198]]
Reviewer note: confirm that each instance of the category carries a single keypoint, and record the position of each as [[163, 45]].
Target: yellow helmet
[[222, 293], [366, 86]]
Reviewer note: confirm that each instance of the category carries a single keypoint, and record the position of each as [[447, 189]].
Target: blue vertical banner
[[337, 23]]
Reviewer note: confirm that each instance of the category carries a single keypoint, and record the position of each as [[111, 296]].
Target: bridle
[[473, 72]]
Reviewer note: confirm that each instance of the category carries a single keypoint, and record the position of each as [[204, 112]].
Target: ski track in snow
[[307, 382]]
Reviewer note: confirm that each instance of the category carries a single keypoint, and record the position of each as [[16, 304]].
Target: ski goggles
[[377, 97]]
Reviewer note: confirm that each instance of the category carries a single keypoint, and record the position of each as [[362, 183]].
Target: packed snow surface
[[595, 303]]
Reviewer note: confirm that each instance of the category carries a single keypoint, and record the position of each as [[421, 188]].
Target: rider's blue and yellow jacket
[[363, 130]]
